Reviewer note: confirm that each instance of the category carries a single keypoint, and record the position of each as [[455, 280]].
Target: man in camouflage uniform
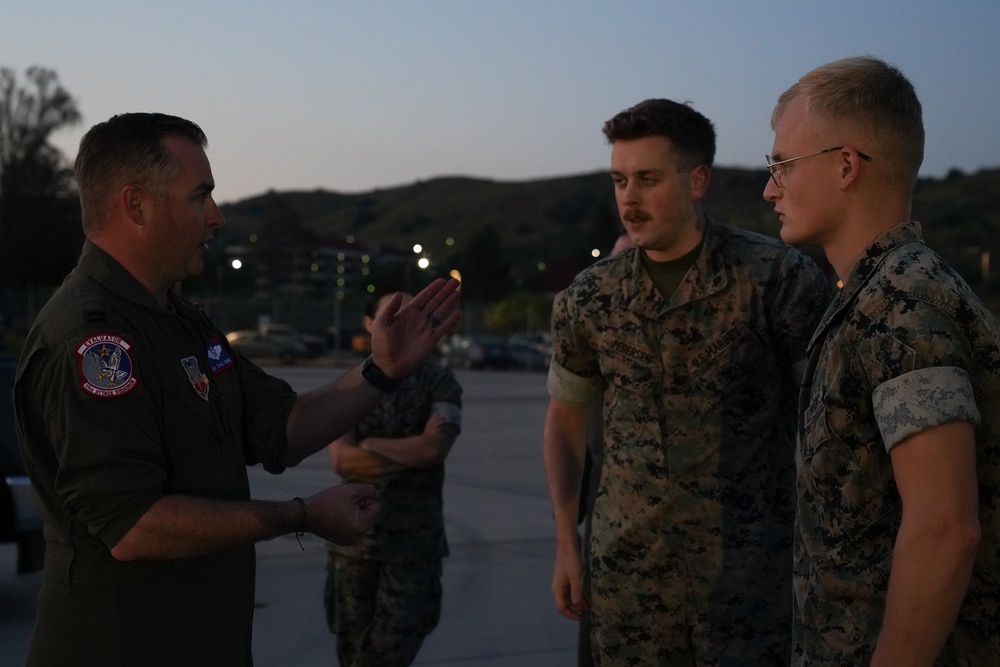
[[694, 341], [383, 594], [897, 541]]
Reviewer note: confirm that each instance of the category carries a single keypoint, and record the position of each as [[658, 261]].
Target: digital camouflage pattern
[[692, 525], [904, 347], [411, 523], [383, 594], [385, 610]]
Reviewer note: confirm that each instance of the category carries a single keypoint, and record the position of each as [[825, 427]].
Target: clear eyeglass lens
[[776, 173]]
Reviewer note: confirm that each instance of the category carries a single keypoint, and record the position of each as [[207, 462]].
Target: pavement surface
[[498, 609]]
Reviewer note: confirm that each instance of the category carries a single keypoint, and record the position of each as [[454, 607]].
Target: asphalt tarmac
[[498, 609]]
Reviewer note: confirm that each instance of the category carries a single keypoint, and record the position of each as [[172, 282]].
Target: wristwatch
[[375, 377]]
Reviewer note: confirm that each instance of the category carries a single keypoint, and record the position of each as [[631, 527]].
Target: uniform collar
[[106, 270], [706, 276], [862, 272], [875, 254]]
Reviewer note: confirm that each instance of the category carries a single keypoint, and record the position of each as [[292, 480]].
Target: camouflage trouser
[[633, 626], [638, 620], [381, 611]]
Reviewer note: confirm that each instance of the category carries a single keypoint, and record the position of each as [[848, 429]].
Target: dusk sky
[[351, 96]]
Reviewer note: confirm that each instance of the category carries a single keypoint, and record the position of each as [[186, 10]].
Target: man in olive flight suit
[[137, 421]]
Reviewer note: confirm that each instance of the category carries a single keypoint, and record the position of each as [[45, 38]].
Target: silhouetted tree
[[485, 271], [40, 233], [519, 313]]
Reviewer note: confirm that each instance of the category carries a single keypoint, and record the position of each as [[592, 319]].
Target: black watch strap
[[375, 377]]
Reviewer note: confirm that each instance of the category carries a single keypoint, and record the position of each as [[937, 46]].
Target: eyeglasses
[[777, 168]]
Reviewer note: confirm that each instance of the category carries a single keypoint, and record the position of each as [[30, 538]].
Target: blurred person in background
[[693, 341], [383, 594]]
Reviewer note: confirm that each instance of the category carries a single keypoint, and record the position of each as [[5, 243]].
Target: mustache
[[634, 215]]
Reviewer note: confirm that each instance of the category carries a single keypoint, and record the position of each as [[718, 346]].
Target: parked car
[[528, 357], [315, 345], [531, 350], [476, 351], [258, 345], [539, 340], [19, 520]]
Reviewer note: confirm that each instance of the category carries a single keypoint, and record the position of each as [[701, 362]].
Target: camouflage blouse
[[692, 524], [905, 346], [411, 523]]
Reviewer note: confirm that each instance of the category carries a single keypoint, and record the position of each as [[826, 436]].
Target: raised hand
[[403, 337]]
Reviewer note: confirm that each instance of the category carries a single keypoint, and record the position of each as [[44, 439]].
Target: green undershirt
[[667, 276]]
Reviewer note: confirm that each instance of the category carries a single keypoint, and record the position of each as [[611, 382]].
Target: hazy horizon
[[350, 97]]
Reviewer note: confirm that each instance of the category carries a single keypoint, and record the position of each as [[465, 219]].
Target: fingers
[[435, 309], [440, 297], [343, 513], [441, 329], [576, 597], [433, 424], [362, 492], [568, 593], [387, 312], [449, 303], [421, 298], [564, 602]]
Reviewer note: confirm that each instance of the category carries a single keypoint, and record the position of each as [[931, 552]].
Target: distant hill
[[559, 220]]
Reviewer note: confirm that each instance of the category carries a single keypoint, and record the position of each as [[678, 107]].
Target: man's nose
[[215, 217], [771, 191], [629, 193]]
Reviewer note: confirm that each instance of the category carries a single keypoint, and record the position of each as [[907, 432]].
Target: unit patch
[[199, 381], [106, 366], [218, 357]]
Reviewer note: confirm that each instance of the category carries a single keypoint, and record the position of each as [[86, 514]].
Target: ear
[[848, 165], [136, 203], [700, 179], [369, 323]]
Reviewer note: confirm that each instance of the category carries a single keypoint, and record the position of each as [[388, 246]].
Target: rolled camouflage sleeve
[[918, 361], [574, 376], [447, 402], [921, 399], [571, 389]]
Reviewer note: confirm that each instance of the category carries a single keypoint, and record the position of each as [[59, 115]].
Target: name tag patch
[[106, 366]]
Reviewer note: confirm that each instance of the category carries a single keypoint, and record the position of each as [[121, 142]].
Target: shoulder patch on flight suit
[[218, 357], [106, 366]]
